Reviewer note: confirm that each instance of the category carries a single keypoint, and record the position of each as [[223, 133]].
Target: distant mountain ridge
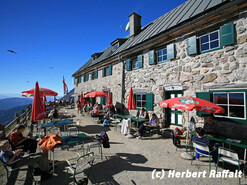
[[10, 106], [6, 116], [8, 103]]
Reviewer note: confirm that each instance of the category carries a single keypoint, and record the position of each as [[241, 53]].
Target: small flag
[[65, 87]]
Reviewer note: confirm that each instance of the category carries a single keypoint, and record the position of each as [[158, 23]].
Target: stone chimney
[[135, 23]]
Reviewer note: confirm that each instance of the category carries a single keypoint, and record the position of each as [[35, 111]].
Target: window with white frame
[[135, 63], [209, 41], [161, 55], [140, 100], [107, 71], [234, 104]]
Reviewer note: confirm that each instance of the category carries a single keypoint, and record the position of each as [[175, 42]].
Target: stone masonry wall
[[112, 82], [224, 66]]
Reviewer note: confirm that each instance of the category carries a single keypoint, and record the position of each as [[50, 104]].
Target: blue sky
[[54, 38]]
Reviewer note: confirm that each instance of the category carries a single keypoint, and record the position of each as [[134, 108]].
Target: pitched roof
[[186, 11]]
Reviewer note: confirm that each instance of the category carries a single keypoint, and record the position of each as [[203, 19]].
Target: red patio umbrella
[[38, 111], [95, 94], [131, 103], [43, 91], [109, 100], [190, 103]]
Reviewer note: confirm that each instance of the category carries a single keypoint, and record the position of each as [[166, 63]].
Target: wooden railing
[[20, 119]]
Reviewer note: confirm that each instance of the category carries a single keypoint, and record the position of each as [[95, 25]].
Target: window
[[86, 78], [114, 48], [209, 41], [79, 79], [234, 104], [135, 64], [140, 100], [212, 40], [107, 71], [144, 99], [161, 55], [94, 75]]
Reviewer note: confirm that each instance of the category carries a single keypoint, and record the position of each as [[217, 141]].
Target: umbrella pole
[[39, 130], [187, 135], [186, 155]]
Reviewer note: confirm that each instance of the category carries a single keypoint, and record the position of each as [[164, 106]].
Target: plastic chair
[[203, 147], [230, 157], [81, 165], [95, 144], [9, 170]]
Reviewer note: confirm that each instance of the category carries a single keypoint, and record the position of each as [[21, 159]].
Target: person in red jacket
[[17, 139]]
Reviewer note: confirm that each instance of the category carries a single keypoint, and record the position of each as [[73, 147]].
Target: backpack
[[104, 139]]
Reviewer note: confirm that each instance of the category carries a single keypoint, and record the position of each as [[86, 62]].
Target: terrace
[[132, 161]]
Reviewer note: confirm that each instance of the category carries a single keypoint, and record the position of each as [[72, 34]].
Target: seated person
[[211, 127], [17, 139], [107, 114], [142, 113], [14, 160], [153, 123], [95, 112], [201, 138], [100, 107], [54, 113]]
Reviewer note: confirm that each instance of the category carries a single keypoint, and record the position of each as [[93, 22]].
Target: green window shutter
[[103, 72], [152, 60], [170, 51], [135, 98], [87, 77], [205, 96], [79, 79], [149, 101], [110, 69], [192, 47], [102, 100], [92, 75], [140, 61], [96, 74], [227, 34], [128, 65]]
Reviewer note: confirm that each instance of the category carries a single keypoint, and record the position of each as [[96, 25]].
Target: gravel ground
[[132, 161]]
